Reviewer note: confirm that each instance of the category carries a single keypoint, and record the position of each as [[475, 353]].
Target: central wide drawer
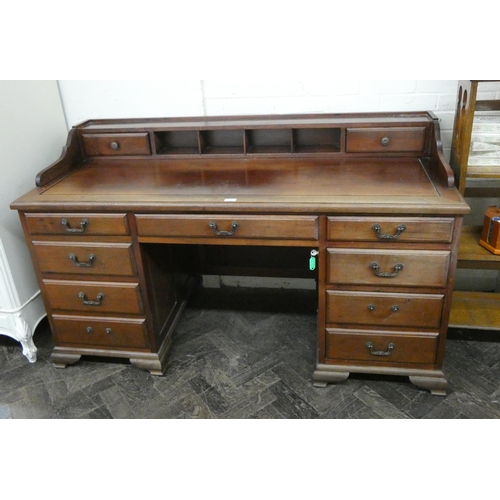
[[374, 346], [93, 296], [384, 309], [78, 224], [229, 226], [390, 229], [100, 332], [85, 258], [414, 268]]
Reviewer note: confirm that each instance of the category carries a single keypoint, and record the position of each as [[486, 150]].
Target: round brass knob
[[114, 145], [385, 141]]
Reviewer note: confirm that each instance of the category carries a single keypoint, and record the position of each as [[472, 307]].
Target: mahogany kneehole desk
[[121, 227]]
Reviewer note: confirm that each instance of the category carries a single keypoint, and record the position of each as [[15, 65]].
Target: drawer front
[[374, 346], [384, 309], [387, 267], [76, 224], [385, 139], [93, 297], [390, 229], [116, 144], [229, 226], [85, 258], [100, 332]]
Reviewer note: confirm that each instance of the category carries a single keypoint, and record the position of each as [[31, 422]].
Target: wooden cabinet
[[123, 225], [385, 306], [473, 309], [89, 280]]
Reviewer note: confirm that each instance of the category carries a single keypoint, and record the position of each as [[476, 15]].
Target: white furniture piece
[[18, 320], [32, 127]]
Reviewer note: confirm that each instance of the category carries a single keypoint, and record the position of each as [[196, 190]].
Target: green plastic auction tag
[[312, 263]]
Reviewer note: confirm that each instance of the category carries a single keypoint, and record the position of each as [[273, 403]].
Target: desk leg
[[61, 359], [431, 380], [324, 377], [435, 383], [154, 364]]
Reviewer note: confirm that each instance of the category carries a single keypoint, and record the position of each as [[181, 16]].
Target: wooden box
[[490, 237]]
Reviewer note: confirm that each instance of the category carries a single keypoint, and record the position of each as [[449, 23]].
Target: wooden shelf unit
[[472, 309], [468, 179], [471, 255]]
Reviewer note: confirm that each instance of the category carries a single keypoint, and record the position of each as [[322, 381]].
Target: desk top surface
[[247, 185]]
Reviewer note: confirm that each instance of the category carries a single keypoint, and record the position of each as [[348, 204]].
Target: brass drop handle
[[381, 274], [83, 224], [89, 263], [377, 228], [114, 145], [390, 347], [385, 141], [87, 302], [213, 225]]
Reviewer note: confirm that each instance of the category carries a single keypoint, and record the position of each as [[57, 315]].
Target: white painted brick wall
[[83, 100]]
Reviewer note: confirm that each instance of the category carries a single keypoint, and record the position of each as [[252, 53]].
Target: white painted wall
[[32, 134], [155, 98]]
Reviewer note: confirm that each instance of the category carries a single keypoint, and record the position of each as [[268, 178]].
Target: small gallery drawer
[[354, 266], [229, 226], [375, 346], [102, 332], [85, 258], [385, 139], [384, 309], [94, 297], [116, 144], [390, 229], [75, 224]]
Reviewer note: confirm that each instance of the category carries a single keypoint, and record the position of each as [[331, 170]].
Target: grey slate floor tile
[[241, 354]]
